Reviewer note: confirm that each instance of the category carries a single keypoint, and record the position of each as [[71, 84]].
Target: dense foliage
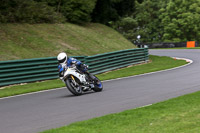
[[162, 21], [180, 20], [75, 11], [23, 11], [57, 11], [112, 10], [137, 20]]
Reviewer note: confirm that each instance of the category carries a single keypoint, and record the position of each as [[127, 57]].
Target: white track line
[[187, 60], [144, 106], [31, 93]]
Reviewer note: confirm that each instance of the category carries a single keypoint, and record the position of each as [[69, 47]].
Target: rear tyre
[[98, 87], [74, 89]]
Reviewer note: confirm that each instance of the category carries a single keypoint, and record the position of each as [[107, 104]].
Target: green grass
[[157, 63], [20, 41], [30, 87], [178, 115]]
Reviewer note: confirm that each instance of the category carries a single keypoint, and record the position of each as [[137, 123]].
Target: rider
[[65, 62]]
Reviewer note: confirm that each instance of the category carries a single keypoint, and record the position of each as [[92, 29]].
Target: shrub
[[23, 11]]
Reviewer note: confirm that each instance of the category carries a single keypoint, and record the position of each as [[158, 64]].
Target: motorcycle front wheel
[[73, 87]]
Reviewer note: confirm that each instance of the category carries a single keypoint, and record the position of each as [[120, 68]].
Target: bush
[[23, 11]]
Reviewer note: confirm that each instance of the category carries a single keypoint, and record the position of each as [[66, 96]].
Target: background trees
[[146, 20], [162, 21], [152, 20], [112, 10], [74, 11], [22, 11], [180, 20]]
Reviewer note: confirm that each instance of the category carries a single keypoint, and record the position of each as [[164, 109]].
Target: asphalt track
[[46, 110]]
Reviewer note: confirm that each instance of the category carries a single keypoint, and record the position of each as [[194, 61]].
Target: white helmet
[[62, 57]]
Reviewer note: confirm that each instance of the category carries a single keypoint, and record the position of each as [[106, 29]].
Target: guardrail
[[30, 70], [114, 60]]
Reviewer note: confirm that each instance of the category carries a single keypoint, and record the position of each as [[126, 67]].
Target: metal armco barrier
[[30, 70], [113, 60]]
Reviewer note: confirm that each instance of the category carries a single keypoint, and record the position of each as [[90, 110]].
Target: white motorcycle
[[78, 82]]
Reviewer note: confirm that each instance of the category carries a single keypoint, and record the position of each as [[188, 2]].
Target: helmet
[[62, 57]]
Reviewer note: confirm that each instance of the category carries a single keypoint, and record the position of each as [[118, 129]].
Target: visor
[[62, 61]]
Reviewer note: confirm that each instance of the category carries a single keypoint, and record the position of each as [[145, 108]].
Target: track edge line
[[187, 60]]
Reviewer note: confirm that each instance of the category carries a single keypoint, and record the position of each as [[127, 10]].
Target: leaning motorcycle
[[78, 82]]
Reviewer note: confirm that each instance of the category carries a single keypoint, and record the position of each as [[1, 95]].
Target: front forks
[[73, 80], [84, 87]]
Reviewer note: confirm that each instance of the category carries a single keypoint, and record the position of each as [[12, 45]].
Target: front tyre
[[98, 87], [73, 87]]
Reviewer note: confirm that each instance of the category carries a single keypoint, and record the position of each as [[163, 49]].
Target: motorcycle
[[78, 82]]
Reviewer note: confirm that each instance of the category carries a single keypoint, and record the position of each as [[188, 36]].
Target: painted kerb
[[37, 69]]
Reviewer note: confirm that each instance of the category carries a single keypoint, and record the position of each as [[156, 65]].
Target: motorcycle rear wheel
[[98, 88]]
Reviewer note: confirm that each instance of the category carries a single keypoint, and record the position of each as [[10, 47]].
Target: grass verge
[[22, 41], [178, 115], [157, 63]]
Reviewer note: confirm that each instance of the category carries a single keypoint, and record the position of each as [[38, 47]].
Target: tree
[[180, 19], [104, 12], [124, 7], [168, 21], [149, 25], [28, 12], [107, 11], [77, 11], [126, 26], [146, 22]]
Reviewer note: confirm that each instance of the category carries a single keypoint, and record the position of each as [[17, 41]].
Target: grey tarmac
[[41, 111]]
